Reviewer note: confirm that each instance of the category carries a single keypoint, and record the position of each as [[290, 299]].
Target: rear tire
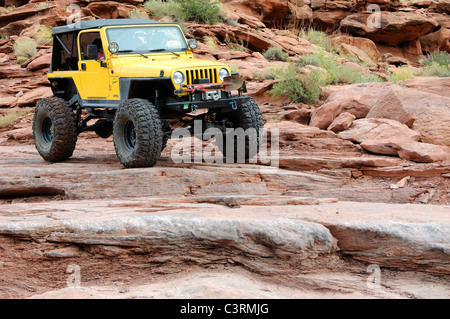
[[105, 129], [137, 134], [54, 129], [248, 117]]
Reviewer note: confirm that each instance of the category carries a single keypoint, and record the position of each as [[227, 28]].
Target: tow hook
[[233, 105], [194, 108]]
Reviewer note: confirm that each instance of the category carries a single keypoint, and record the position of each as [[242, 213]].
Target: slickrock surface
[[204, 230]]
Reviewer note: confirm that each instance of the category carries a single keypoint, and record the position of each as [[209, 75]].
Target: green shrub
[[276, 54], [161, 9], [318, 38], [401, 74], [435, 69], [324, 60], [299, 87], [272, 73], [368, 78], [25, 48], [442, 58], [303, 86], [202, 11]]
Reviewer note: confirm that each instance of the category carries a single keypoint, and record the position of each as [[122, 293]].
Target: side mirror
[[92, 52]]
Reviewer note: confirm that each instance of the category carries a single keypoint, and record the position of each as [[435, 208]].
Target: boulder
[[230, 55], [7, 101], [342, 122], [364, 47], [301, 116], [430, 111], [390, 106], [354, 99], [423, 152], [34, 96], [323, 116], [40, 63], [441, 6], [395, 27], [110, 9], [436, 41], [369, 129], [408, 149], [433, 85]]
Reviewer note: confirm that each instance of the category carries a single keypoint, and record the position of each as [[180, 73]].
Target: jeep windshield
[[147, 39]]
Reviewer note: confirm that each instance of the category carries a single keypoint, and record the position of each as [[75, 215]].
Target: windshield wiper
[[160, 50], [132, 51]]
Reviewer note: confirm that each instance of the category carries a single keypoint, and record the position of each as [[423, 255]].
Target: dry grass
[[138, 14], [210, 43], [25, 48], [11, 117], [43, 35]]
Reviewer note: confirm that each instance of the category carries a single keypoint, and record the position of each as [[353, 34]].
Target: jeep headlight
[[223, 73], [178, 78]]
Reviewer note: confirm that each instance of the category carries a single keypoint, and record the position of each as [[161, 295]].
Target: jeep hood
[[151, 67]]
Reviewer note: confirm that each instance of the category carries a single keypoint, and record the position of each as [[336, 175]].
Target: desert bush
[[210, 43], [435, 69], [440, 57], [234, 66], [161, 9], [43, 5], [401, 74], [302, 80], [138, 14], [318, 38], [10, 118], [276, 54], [24, 48], [201, 11], [336, 73], [299, 86], [43, 35], [368, 78], [272, 72]]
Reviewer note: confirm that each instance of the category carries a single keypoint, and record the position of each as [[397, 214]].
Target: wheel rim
[[129, 135], [47, 130]]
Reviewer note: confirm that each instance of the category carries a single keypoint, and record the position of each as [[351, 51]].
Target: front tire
[[137, 134], [54, 129]]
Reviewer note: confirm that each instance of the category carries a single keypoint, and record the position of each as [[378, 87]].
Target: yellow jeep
[[137, 80]]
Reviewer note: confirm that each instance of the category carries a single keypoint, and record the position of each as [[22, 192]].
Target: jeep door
[[94, 75]]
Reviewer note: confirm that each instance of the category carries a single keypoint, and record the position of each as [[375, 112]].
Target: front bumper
[[231, 103]]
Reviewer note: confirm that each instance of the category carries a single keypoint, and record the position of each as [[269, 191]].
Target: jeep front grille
[[192, 75]]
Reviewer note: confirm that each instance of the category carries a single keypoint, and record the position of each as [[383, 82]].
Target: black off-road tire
[[54, 129], [137, 134], [165, 128], [247, 116]]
